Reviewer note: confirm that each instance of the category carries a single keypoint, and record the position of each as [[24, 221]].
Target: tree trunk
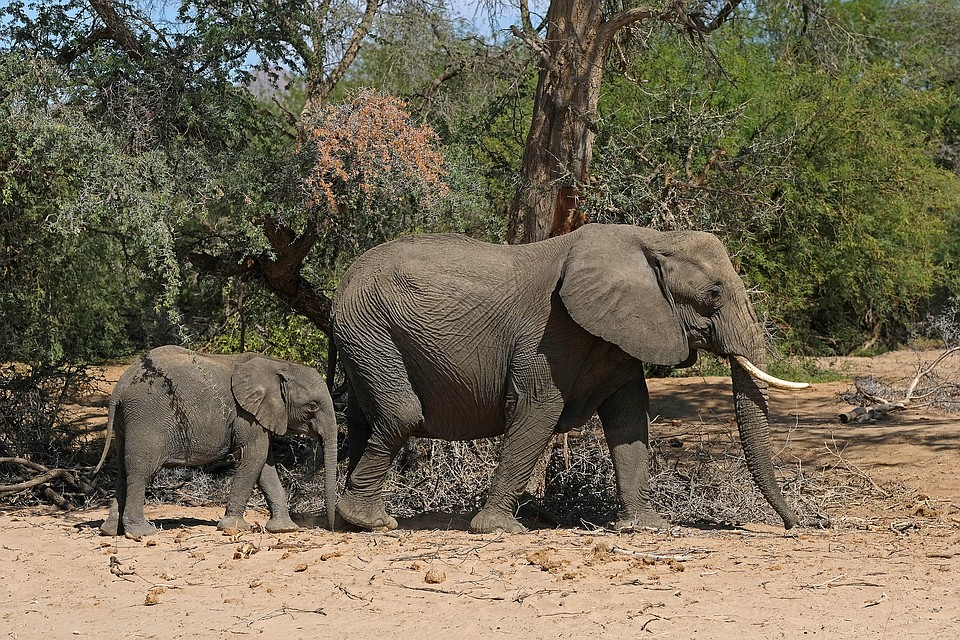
[[559, 146], [556, 156]]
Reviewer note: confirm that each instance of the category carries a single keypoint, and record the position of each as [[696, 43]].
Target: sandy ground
[[887, 568]]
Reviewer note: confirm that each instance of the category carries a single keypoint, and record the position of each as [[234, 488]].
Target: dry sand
[[888, 568]]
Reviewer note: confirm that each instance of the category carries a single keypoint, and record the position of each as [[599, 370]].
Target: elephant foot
[[110, 527], [490, 520], [231, 525], [646, 519], [281, 524], [137, 530], [368, 515]]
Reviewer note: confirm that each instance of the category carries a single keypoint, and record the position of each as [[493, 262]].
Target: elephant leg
[[386, 413], [276, 498], [362, 501], [524, 441], [111, 526], [137, 471], [358, 432], [252, 462], [626, 422]]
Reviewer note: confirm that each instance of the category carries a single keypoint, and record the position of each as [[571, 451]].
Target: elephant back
[[191, 385]]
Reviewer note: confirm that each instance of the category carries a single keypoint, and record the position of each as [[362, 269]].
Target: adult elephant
[[175, 407], [446, 337]]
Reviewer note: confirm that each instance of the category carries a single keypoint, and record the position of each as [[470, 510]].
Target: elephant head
[[661, 297], [282, 395]]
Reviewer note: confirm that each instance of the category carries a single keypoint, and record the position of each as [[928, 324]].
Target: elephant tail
[[331, 360], [111, 416]]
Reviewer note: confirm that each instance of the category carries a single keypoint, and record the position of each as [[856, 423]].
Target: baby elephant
[[175, 407]]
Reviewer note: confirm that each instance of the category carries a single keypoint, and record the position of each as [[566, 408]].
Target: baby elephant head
[[283, 395], [280, 394]]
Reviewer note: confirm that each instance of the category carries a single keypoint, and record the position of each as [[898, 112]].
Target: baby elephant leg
[[112, 526], [279, 521], [249, 470], [135, 524]]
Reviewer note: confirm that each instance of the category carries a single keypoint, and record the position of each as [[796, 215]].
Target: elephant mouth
[[763, 376]]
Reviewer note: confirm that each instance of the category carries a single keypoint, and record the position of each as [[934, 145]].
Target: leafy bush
[[819, 175]]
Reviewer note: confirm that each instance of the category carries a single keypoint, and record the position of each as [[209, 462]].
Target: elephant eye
[[713, 295]]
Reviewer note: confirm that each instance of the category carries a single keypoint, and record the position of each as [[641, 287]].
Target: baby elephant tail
[[106, 439]]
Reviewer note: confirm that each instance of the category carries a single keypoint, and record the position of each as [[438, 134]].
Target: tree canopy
[[204, 171]]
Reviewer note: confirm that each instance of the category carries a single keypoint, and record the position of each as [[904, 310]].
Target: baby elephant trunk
[[328, 434]]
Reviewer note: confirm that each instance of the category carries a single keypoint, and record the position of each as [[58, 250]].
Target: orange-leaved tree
[[367, 158], [370, 173]]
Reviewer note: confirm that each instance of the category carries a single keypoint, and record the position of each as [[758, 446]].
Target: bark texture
[[559, 145]]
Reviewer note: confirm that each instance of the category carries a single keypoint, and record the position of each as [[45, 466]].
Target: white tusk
[[759, 374]]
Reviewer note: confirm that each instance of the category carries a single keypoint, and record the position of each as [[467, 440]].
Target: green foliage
[[819, 176], [803, 369], [253, 320], [73, 286]]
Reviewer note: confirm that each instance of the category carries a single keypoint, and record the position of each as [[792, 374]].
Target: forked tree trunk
[[559, 146], [556, 156]]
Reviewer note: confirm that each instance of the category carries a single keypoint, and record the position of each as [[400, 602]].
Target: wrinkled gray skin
[[175, 407], [446, 337]]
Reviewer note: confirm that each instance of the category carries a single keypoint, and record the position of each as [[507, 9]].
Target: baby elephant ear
[[611, 286], [257, 388]]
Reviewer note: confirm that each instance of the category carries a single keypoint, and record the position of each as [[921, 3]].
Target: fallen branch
[[873, 412], [882, 406], [285, 611], [443, 591], [852, 467], [824, 584], [46, 475], [651, 556], [61, 503], [351, 595]]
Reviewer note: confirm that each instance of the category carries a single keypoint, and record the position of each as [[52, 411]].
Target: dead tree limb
[[881, 406], [46, 475]]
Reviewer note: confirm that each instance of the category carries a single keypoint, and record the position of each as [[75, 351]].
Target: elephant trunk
[[750, 403], [330, 471]]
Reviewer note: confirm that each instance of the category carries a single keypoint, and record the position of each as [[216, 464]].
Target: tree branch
[[350, 53], [881, 406], [280, 273], [623, 19], [117, 30], [723, 15], [46, 475], [525, 21]]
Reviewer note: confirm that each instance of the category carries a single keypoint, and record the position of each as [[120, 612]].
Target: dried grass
[[700, 479]]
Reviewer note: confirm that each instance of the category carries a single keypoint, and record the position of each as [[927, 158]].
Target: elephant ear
[[611, 286], [257, 388]]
